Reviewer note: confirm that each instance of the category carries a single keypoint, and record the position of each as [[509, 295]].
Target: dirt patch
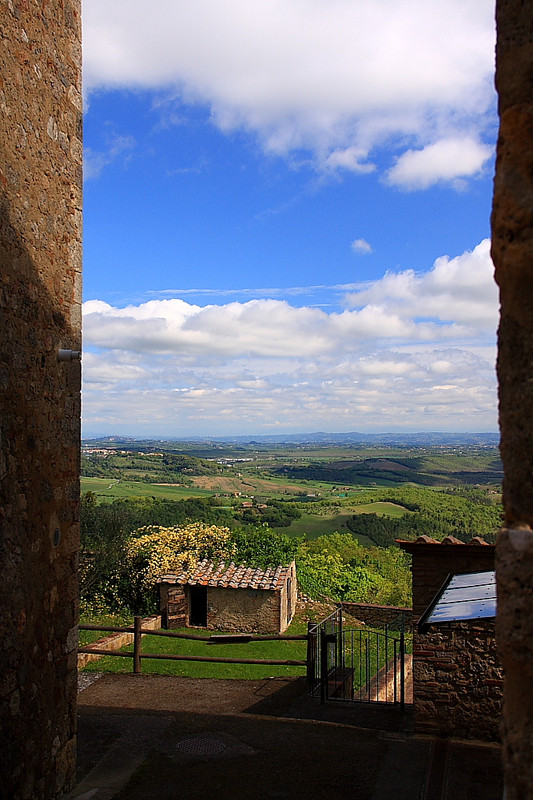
[[168, 693], [214, 483]]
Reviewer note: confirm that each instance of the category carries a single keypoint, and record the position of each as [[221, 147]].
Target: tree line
[[121, 560]]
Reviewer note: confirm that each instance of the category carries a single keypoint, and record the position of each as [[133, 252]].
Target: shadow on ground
[[150, 736]]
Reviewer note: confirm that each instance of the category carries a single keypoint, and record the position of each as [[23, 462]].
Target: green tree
[[103, 534], [262, 547]]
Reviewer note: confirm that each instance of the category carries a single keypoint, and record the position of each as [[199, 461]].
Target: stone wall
[[288, 597], [512, 253], [458, 681], [379, 616], [243, 610], [457, 674], [240, 610], [40, 294], [173, 605]]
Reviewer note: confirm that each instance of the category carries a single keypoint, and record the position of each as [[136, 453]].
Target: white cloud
[[349, 158], [445, 160], [414, 351], [458, 291], [95, 161], [361, 246], [336, 79]]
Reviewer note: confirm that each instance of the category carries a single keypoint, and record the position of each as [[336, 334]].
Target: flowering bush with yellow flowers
[[154, 550]]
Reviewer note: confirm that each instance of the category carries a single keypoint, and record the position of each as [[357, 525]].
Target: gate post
[[402, 668], [136, 644], [325, 640], [311, 655], [323, 666], [340, 656]]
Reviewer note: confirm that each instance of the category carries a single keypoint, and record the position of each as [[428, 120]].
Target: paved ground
[[153, 737]]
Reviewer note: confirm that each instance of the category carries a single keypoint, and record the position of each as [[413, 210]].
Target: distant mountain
[[422, 439], [426, 438]]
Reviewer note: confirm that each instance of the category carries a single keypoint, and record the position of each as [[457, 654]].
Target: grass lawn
[[109, 620], [295, 651]]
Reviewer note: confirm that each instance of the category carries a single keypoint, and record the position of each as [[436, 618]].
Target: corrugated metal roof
[[232, 576], [462, 597]]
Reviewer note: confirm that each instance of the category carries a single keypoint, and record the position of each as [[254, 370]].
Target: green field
[[315, 525], [381, 509], [113, 488], [312, 526]]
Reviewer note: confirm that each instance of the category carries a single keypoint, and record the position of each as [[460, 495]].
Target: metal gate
[[357, 664]]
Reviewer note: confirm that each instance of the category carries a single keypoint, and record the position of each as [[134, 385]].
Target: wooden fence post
[[137, 644]]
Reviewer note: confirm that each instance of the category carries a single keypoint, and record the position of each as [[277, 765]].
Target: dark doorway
[[198, 606]]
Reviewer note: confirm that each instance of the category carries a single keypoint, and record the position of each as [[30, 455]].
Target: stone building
[[512, 253], [457, 674], [230, 598], [40, 312]]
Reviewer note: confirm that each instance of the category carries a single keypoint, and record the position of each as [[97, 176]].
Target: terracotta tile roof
[[451, 540], [232, 576], [476, 540]]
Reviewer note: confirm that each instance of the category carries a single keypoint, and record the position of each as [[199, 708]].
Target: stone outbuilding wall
[[378, 616], [40, 313], [248, 610], [457, 674], [236, 598], [457, 681]]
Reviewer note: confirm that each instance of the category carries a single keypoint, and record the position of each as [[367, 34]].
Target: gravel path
[[86, 678]]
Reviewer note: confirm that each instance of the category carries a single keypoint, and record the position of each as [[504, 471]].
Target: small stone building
[[457, 675], [230, 598]]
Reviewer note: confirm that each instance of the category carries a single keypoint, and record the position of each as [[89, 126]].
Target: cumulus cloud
[[413, 350], [459, 291], [338, 80], [352, 159], [446, 160], [361, 246]]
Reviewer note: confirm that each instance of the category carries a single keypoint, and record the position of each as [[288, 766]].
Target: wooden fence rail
[[138, 655]]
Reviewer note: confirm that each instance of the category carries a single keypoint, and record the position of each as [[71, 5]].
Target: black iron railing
[[356, 664]]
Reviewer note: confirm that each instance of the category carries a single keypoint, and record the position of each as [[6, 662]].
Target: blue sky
[[286, 216]]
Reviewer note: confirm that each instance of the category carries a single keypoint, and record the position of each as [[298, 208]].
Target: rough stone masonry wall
[[243, 610], [456, 671], [287, 605], [173, 606], [378, 616], [512, 252], [458, 681], [40, 271]]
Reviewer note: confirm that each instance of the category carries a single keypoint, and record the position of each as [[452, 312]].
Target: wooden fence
[[138, 632]]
